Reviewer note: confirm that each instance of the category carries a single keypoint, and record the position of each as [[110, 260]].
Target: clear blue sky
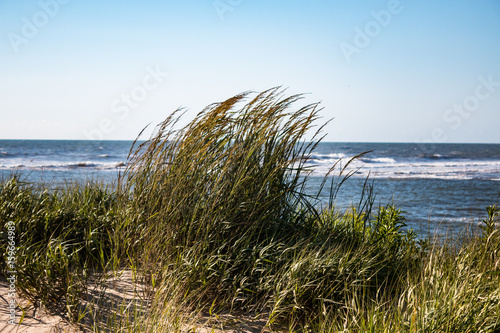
[[394, 71]]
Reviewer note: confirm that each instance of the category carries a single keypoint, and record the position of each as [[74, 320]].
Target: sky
[[385, 71]]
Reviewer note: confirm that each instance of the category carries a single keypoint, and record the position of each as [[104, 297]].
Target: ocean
[[440, 187]]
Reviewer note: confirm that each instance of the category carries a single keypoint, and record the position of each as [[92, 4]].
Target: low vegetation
[[213, 220]]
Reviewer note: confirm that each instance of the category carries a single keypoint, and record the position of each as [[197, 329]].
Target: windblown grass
[[213, 219]]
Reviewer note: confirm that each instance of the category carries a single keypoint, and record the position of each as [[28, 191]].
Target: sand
[[120, 289], [33, 322]]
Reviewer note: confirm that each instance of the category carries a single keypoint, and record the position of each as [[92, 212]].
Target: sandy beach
[[33, 322]]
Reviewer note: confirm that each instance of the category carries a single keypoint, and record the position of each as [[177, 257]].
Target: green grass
[[213, 220]]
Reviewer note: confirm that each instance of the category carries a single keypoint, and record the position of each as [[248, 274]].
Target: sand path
[[33, 322], [119, 289]]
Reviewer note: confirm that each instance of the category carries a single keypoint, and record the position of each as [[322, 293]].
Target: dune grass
[[213, 219]]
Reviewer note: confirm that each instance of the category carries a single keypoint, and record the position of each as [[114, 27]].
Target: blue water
[[437, 185], [55, 161]]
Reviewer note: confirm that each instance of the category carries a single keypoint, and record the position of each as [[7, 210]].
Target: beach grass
[[214, 226]]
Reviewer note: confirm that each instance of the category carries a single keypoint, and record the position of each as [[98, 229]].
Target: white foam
[[57, 165], [378, 160], [389, 168], [327, 156]]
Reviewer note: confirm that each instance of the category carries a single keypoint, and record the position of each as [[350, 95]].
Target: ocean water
[[55, 161], [439, 186]]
